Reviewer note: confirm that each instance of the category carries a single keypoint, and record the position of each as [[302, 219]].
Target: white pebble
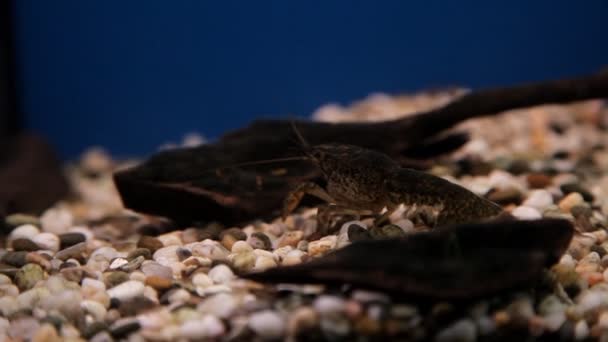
[[118, 262], [221, 274], [94, 283], [56, 220], [581, 330], [210, 249], [293, 258], [104, 253], [151, 268], [221, 305], [179, 296], [463, 330], [208, 327], [267, 324], [95, 309], [241, 247], [171, 239], [47, 241], [213, 289], [328, 305], [263, 263], [166, 255], [127, 290], [526, 213], [201, 280], [539, 199], [26, 231]]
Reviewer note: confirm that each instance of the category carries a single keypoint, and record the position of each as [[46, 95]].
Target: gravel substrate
[[89, 269]]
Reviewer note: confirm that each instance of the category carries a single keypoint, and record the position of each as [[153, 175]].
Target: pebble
[[150, 243], [26, 231], [302, 319], [294, 257], [16, 220], [568, 188], [241, 247], [263, 263], [267, 324], [28, 276], [74, 251], [259, 240], [538, 180], [389, 231], [230, 236], [143, 252], [538, 199], [22, 244], [155, 269], [94, 308], [210, 249], [158, 283], [526, 213], [166, 256], [70, 239], [56, 220], [117, 263], [358, 233], [221, 305], [581, 330], [127, 290], [47, 241], [46, 333], [114, 278], [208, 327], [244, 261], [571, 200], [321, 247], [17, 259], [506, 195], [221, 274], [463, 330], [329, 305], [124, 327], [291, 238]]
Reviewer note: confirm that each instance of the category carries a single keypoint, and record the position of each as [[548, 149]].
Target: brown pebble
[[46, 333], [140, 252], [135, 306], [149, 242], [232, 235], [538, 180], [114, 278], [24, 245], [159, 283], [504, 196], [74, 274], [367, 326], [291, 238], [70, 239]]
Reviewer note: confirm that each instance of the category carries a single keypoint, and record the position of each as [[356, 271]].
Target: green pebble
[[28, 276]]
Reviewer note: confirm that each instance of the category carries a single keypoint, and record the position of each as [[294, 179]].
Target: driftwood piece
[[184, 184], [453, 263]]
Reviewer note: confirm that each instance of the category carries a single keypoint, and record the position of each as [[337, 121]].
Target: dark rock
[[23, 244], [358, 233], [74, 251], [70, 239], [92, 329], [17, 259], [135, 306], [518, 167], [124, 327], [183, 253], [480, 260], [505, 196], [538, 180]]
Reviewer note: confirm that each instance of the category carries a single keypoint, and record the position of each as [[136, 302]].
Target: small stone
[[241, 247], [117, 263], [208, 327], [575, 187], [321, 247], [158, 283], [291, 238], [133, 264], [259, 240], [244, 261], [70, 239], [462, 330], [94, 308], [114, 278], [127, 290], [210, 249], [23, 328], [335, 326], [581, 330], [149, 242], [263, 263], [526, 213], [26, 231], [221, 274], [56, 220], [124, 327], [571, 200], [538, 199], [221, 305], [267, 324], [294, 257], [183, 253], [329, 305], [94, 329], [46, 333], [74, 251], [155, 269], [230, 236], [538, 180], [47, 241], [358, 233], [144, 252], [16, 220], [17, 259], [22, 244], [505, 196], [28, 276], [302, 319], [201, 280], [390, 231], [166, 256]]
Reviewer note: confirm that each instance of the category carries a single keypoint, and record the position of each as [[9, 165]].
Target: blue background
[[130, 75]]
